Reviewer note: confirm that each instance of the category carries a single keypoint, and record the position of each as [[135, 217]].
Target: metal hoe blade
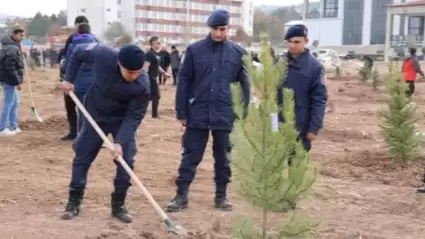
[[36, 115], [175, 229]]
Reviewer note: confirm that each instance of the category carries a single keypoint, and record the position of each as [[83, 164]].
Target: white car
[[329, 58]]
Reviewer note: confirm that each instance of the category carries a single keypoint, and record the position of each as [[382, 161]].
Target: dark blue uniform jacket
[[203, 95], [306, 76], [78, 69], [112, 100]]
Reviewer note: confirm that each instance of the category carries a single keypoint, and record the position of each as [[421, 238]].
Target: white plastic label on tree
[[275, 122]]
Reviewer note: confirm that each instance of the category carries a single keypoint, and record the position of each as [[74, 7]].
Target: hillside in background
[[298, 7]]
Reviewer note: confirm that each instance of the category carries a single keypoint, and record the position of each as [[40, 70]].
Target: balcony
[[398, 41]]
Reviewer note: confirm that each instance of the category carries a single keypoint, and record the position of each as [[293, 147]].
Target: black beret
[[298, 30], [131, 57], [219, 17]]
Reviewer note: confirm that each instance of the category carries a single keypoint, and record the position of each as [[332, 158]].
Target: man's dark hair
[[153, 39], [17, 29], [83, 28], [173, 47], [412, 51], [81, 19]]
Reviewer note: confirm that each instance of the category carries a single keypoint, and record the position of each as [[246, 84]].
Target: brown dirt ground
[[359, 191]]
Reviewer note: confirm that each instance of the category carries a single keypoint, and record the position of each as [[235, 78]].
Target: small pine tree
[[260, 157], [364, 74], [376, 81], [337, 71], [31, 64], [398, 122]]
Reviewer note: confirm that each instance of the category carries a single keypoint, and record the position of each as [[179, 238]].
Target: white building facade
[[248, 16], [172, 20], [359, 23]]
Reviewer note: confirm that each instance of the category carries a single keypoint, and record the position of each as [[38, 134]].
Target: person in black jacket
[[165, 62], [71, 112], [11, 79], [175, 61], [153, 67]]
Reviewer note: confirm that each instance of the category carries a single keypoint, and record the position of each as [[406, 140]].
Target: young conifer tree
[[364, 74], [398, 122], [260, 156], [376, 81]]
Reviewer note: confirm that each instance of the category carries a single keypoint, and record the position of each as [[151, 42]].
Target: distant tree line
[[40, 26], [273, 23]]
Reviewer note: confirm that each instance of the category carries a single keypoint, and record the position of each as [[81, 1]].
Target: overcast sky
[[30, 7]]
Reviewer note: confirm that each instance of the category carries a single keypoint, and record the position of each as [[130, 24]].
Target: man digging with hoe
[[117, 101]]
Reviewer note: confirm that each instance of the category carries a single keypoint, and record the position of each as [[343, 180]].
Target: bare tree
[[117, 35], [241, 36]]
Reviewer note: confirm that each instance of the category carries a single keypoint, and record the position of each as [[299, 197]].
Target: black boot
[[421, 190], [118, 207], [180, 201], [72, 209], [220, 201], [69, 137]]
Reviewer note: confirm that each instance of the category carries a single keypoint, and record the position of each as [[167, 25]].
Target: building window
[[379, 19], [108, 9], [119, 14], [119, 2], [330, 8], [83, 10], [416, 26], [352, 26]]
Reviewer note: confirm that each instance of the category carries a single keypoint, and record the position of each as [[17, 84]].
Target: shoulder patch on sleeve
[[322, 76], [323, 79]]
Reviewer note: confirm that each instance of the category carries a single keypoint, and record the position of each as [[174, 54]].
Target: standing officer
[[204, 104], [306, 77], [117, 101]]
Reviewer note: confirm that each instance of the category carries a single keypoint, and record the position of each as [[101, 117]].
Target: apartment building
[[174, 21]]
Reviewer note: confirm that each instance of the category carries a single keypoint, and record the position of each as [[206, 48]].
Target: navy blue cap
[[131, 57], [218, 18], [298, 30]]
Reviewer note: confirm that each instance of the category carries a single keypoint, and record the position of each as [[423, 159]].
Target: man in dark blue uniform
[[117, 101], [204, 104], [71, 112], [306, 77], [79, 71]]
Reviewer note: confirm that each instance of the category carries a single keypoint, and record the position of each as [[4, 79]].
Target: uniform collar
[[213, 43], [298, 61]]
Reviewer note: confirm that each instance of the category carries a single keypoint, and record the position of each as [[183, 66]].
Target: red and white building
[[174, 21]]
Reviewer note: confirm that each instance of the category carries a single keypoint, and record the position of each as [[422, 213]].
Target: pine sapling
[[398, 122], [262, 148], [338, 72], [31, 64], [376, 81], [364, 74]]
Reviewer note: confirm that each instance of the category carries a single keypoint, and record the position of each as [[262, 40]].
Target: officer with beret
[[306, 77], [117, 101], [204, 105]]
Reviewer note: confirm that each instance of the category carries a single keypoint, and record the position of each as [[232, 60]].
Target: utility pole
[[306, 8]]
